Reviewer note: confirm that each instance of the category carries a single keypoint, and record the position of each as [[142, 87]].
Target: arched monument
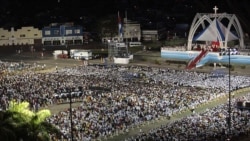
[[213, 30]]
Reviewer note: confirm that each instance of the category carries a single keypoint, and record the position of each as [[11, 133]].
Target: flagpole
[[119, 27], [126, 30], [118, 17]]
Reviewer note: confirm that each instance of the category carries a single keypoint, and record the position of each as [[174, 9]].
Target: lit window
[[68, 32], [77, 31], [47, 32]]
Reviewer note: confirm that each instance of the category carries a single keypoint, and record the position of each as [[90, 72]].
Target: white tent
[[216, 31]]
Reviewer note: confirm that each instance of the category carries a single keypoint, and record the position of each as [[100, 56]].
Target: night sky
[[18, 13]]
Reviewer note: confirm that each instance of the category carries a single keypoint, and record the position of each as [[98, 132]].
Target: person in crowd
[[115, 99]]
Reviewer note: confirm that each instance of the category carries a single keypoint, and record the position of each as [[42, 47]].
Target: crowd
[[211, 125], [118, 98]]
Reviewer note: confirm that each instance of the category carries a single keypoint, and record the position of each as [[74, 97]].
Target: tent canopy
[[214, 32]]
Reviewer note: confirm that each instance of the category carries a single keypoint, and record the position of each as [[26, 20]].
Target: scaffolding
[[117, 49]]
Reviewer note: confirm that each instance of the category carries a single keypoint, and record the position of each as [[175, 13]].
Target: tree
[[18, 122], [107, 26]]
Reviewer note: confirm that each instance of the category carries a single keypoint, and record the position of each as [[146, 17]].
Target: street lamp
[[229, 94], [69, 90], [71, 122]]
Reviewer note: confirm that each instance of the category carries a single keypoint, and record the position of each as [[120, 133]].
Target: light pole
[[229, 94], [70, 108]]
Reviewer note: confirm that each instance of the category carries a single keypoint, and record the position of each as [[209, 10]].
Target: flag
[[120, 26]]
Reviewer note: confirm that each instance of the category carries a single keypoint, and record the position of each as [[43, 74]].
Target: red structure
[[193, 62]]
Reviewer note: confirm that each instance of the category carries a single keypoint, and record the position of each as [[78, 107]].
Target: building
[[58, 35], [26, 36], [153, 34], [52, 36], [132, 31]]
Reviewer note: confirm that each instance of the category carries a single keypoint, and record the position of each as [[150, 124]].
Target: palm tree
[[18, 122]]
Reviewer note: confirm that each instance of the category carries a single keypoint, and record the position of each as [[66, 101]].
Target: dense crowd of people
[[210, 125], [118, 98]]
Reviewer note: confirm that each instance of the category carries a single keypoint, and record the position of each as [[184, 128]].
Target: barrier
[[121, 60]]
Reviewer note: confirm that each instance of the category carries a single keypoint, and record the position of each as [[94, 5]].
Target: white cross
[[215, 9]]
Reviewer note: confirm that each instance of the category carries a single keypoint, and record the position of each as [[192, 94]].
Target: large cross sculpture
[[215, 9]]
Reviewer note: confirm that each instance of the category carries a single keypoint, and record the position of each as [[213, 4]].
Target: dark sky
[[35, 12]]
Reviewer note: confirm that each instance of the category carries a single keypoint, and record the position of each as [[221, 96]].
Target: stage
[[210, 57]]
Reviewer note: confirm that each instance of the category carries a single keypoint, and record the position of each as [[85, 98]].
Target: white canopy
[[215, 32]]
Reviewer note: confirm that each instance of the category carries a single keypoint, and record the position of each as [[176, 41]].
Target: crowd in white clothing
[[117, 98], [211, 125]]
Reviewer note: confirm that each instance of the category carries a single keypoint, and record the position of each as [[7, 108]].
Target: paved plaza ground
[[143, 58]]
